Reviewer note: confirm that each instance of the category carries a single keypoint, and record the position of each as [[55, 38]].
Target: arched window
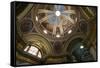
[[33, 50]]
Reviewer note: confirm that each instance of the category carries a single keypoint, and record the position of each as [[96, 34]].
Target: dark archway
[[79, 51]]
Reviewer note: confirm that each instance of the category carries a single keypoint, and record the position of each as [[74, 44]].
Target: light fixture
[[58, 13], [81, 47], [70, 31], [58, 36], [36, 18], [45, 31]]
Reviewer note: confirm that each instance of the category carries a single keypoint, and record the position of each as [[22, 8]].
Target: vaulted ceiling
[[49, 33]]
